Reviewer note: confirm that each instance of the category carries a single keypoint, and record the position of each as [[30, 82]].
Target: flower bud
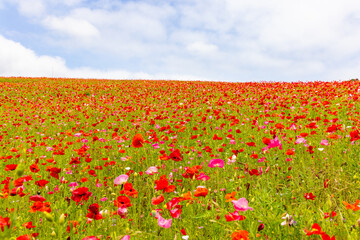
[[261, 227], [62, 218], [49, 216], [20, 170]]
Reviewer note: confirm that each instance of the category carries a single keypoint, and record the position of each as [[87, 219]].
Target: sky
[[214, 40]]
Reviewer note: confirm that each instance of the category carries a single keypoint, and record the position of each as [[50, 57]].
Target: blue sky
[[217, 40]]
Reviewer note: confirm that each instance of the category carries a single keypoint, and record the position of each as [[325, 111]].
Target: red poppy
[[34, 168], [80, 194], [176, 155], [326, 183], [10, 167], [94, 212], [28, 225], [37, 198], [75, 160], [216, 137], [234, 217], [137, 141], [122, 201], [355, 135], [251, 144], [163, 184], [4, 222], [19, 182], [315, 229], [41, 183], [129, 190], [54, 172], [24, 237], [290, 152], [157, 200], [254, 172], [254, 156], [40, 207], [309, 196], [84, 179], [266, 140], [192, 171]]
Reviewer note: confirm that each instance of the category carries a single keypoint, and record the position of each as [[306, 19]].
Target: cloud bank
[[229, 40]]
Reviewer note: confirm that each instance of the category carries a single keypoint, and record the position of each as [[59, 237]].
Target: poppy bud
[[261, 227], [20, 170], [153, 213], [49, 217], [62, 218]]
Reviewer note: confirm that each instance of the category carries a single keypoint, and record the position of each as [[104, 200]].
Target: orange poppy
[[355, 207], [186, 196], [240, 235], [201, 192], [230, 196]]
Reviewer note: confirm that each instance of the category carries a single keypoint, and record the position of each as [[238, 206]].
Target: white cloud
[[71, 26], [16, 60], [69, 2], [202, 48], [31, 8]]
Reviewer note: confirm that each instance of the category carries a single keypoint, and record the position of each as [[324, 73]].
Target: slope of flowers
[[99, 159]]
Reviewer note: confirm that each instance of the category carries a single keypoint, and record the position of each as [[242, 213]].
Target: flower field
[[101, 159]]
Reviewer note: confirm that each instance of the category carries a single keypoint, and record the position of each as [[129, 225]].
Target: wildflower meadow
[[102, 159]]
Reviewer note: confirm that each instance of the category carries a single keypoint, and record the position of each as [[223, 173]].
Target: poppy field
[[102, 159]]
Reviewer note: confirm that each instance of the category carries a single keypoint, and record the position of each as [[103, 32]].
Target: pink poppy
[[275, 143], [121, 179], [203, 177], [162, 222], [216, 163], [241, 205], [151, 170], [324, 142], [300, 140]]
